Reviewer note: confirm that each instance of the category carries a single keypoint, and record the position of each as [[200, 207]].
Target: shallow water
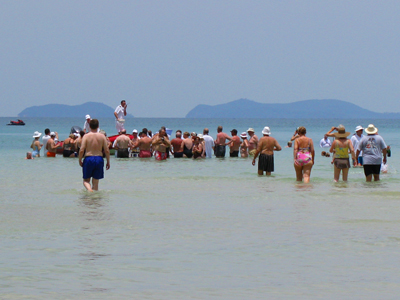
[[184, 229]]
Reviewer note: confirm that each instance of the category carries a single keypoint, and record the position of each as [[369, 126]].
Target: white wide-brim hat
[[250, 130], [371, 129], [266, 130], [36, 134], [243, 135]]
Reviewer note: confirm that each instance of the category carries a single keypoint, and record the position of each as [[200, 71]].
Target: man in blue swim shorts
[[93, 146]]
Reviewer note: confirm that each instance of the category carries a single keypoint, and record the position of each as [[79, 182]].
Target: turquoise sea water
[[207, 229]]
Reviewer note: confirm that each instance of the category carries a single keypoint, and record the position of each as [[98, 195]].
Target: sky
[[166, 57]]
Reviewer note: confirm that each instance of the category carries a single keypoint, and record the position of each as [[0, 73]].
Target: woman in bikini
[[341, 147], [304, 154]]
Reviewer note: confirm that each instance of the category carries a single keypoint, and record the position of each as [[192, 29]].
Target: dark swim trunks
[[93, 166], [234, 154], [372, 169], [123, 153], [220, 150], [178, 154], [266, 163]]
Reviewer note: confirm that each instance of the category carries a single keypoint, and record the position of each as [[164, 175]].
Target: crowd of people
[[367, 151]]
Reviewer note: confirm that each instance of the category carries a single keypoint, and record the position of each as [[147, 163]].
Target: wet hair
[[47, 131], [81, 133], [122, 101], [150, 133], [94, 124], [302, 130]]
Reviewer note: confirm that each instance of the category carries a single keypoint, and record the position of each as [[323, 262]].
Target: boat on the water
[[19, 122]]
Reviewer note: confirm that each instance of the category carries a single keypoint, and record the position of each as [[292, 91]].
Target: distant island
[[94, 109], [315, 109]]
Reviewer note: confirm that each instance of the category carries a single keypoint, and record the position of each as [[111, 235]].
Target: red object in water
[[19, 122]]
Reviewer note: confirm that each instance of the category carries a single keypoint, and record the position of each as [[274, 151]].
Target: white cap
[[134, 131], [87, 117]]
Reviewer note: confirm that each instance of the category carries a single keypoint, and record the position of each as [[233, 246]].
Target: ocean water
[[196, 229]]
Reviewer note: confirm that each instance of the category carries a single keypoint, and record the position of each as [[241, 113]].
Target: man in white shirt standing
[[208, 143], [355, 139], [86, 127], [120, 113], [45, 138]]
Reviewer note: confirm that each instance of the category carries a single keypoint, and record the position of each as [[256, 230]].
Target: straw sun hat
[[341, 132]]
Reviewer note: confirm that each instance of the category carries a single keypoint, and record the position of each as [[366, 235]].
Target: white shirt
[[325, 143], [44, 141], [86, 127], [120, 111], [208, 143], [355, 139]]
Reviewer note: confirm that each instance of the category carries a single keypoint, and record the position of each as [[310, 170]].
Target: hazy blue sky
[[165, 57]]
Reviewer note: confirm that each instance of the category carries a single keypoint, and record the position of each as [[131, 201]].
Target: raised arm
[[329, 133]]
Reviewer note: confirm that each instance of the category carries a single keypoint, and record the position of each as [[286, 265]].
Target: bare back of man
[[176, 148], [235, 143], [267, 144], [92, 147], [266, 147], [144, 145], [121, 144]]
